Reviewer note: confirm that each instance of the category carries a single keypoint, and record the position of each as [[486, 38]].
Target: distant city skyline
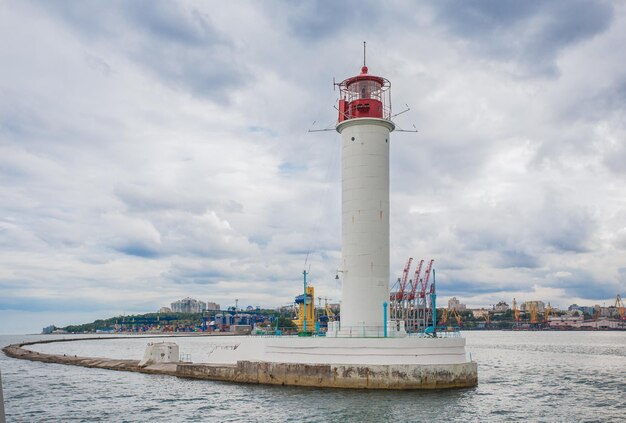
[[151, 151]]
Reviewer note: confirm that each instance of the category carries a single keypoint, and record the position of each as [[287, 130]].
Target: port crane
[[515, 312], [447, 313], [619, 305], [328, 310], [397, 299], [425, 280], [399, 295], [547, 314], [415, 281], [533, 312], [305, 320], [408, 297], [417, 304], [444, 317]]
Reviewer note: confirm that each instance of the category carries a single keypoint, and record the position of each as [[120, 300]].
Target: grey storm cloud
[[513, 258], [204, 276], [531, 33], [319, 21], [584, 283], [51, 304], [180, 45]]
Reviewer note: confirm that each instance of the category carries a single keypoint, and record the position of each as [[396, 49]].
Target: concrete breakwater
[[18, 351], [370, 376]]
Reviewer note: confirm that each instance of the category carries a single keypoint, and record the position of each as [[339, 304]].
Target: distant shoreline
[[187, 334]]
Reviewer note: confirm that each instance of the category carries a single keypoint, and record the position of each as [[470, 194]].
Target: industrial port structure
[[410, 300]]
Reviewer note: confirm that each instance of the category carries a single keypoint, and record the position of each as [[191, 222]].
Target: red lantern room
[[364, 96]]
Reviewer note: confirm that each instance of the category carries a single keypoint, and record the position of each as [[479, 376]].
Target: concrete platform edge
[[398, 376]]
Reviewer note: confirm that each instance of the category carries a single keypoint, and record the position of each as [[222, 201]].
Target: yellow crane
[[306, 312], [547, 314], [447, 312], [515, 311], [329, 311], [533, 311], [619, 305], [444, 316], [457, 316]]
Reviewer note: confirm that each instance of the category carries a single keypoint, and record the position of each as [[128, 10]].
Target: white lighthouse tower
[[364, 124]]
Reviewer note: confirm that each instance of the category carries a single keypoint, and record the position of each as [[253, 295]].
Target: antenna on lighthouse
[[364, 53]]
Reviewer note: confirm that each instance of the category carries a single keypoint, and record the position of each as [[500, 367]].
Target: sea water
[[523, 376]]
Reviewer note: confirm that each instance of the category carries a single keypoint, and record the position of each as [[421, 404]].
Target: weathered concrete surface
[[370, 376], [429, 376]]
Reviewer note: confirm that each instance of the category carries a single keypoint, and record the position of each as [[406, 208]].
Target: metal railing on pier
[[368, 332], [361, 331], [440, 332]]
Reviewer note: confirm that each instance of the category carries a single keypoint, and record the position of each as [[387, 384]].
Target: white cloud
[[150, 156]]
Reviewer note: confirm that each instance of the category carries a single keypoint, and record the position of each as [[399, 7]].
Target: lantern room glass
[[365, 89]]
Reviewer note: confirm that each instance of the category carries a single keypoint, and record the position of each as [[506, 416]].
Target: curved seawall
[[18, 351], [357, 376]]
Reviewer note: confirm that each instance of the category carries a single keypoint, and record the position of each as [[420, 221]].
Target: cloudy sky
[[155, 150]]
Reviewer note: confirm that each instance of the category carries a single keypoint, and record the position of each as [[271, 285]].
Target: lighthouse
[[365, 125], [367, 348]]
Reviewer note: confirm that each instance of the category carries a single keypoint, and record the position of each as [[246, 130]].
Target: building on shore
[[595, 311], [188, 305], [165, 310], [540, 306], [480, 313], [501, 307], [286, 309], [454, 304], [583, 309], [579, 322], [211, 306], [48, 330], [565, 321]]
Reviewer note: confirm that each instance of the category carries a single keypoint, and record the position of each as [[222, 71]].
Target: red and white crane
[[416, 279], [425, 281], [399, 294]]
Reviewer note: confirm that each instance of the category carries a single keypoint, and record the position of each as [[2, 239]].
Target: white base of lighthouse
[[384, 363], [365, 225]]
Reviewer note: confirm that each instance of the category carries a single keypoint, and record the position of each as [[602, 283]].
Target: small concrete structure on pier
[[159, 353]]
